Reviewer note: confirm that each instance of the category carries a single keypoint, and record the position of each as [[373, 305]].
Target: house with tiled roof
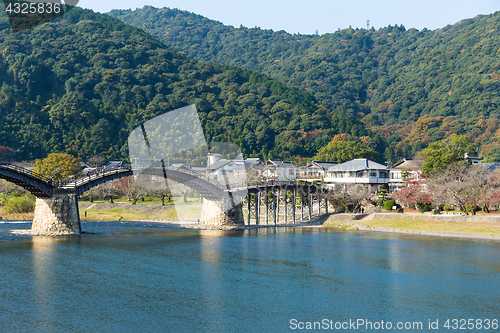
[[403, 171], [282, 171], [225, 171], [316, 170], [359, 171]]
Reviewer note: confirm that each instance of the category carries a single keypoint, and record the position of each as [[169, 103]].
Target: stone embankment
[[369, 222], [441, 217]]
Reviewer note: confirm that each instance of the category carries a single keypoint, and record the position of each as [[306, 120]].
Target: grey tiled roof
[[408, 164], [323, 164], [358, 164], [219, 164], [283, 164], [179, 166], [114, 164], [250, 162]]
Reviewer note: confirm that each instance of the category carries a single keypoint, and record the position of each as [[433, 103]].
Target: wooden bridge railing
[[94, 175], [28, 172]]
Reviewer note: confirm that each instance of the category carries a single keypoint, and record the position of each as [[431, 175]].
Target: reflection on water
[[152, 278], [43, 280]]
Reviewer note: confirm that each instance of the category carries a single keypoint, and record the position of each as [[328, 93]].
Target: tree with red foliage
[[126, 185], [7, 154], [415, 193], [490, 193]]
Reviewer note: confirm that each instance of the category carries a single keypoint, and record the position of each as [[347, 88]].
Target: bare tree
[[138, 186], [490, 193], [95, 161], [137, 193], [92, 193], [256, 175], [348, 197], [107, 190], [126, 185], [8, 187], [161, 193], [460, 185]]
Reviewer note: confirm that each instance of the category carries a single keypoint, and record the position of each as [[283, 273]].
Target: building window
[[373, 174]]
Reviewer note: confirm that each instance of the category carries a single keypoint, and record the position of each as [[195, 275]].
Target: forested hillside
[[413, 87], [82, 83]]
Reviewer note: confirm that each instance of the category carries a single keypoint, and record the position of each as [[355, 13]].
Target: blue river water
[[140, 277]]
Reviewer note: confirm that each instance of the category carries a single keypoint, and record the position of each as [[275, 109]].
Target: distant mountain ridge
[[80, 84], [413, 87]]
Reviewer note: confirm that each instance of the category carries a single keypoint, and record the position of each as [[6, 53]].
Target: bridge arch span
[[38, 185], [206, 187]]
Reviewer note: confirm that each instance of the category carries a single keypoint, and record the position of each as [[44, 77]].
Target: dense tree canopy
[[412, 87], [80, 84], [443, 153], [343, 151]]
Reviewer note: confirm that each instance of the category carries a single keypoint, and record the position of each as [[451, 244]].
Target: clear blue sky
[[324, 15]]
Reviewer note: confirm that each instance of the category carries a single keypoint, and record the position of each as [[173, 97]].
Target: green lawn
[[490, 228]]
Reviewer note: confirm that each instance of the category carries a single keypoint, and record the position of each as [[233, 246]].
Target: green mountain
[[80, 84], [412, 87]]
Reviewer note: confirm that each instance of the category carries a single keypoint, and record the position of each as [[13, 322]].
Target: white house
[[316, 170], [403, 171], [224, 171], [282, 171], [472, 159], [359, 171]]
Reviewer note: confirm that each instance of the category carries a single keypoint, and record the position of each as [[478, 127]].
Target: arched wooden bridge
[[43, 187], [277, 203]]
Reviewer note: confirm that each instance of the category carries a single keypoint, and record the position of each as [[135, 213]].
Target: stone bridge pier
[[222, 214], [57, 216]]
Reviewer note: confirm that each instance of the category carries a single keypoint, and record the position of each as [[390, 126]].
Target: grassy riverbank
[[16, 217], [422, 224], [125, 211], [119, 211]]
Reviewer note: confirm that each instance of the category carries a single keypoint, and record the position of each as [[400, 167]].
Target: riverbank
[[126, 211], [120, 211], [185, 215], [480, 227]]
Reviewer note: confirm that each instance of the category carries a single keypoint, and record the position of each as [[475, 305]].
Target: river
[[147, 277]]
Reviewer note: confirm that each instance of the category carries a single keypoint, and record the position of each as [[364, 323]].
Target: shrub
[[382, 197], [425, 207], [448, 208], [388, 204], [19, 205]]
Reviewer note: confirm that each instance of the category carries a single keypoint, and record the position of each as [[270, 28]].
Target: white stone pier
[[57, 216], [221, 214]]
